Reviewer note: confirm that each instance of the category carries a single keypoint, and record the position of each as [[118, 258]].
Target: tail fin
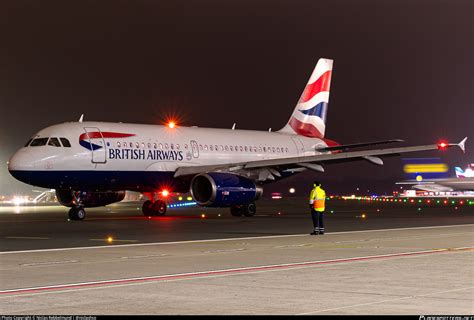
[[459, 172], [309, 117]]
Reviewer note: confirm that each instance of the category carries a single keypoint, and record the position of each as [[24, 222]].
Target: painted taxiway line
[[233, 271], [226, 239]]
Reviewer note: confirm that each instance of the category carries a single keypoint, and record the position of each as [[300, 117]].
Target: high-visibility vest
[[320, 199], [312, 196]]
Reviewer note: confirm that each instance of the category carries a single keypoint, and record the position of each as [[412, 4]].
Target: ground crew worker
[[317, 199]]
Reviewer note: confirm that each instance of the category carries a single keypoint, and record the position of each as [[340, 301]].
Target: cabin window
[[205, 147], [211, 147], [118, 144], [39, 142], [172, 146], [149, 145], [231, 148], [177, 146], [286, 149], [166, 146], [226, 148], [200, 147], [154, 146]]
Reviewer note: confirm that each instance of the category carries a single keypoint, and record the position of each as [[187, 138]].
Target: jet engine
[[217, 189], [89, 199]]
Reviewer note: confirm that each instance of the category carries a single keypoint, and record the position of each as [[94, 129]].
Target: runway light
[[189, 198], [180, 198]]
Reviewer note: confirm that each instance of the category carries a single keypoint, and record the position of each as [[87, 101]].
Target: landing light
[[165, 193], [110, 239], [171, 124]]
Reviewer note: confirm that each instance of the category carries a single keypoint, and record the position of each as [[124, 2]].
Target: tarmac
[[399, 259]]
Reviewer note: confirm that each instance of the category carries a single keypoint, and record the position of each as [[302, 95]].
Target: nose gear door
[[97, 144]]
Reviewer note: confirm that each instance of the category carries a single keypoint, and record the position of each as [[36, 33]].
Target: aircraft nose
[[20, 161]]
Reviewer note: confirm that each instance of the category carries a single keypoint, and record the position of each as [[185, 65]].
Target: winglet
[[462, 145], [81, 118]]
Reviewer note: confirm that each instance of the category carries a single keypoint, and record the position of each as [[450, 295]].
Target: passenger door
[[195, 149], [97, 143]]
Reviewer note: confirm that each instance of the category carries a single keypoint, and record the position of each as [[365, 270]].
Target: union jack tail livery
[[309, 117]]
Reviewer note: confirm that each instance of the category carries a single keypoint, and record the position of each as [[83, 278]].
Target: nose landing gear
[[77, 213]]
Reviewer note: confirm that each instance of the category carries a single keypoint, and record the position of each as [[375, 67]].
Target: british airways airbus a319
[[91, 164]]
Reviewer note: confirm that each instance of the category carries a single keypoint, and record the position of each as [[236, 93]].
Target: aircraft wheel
[[77, 213], [159, 208], [236, 211], [249, 209], [146, 208]]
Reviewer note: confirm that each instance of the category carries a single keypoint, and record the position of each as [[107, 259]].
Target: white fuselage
[[101, 150]]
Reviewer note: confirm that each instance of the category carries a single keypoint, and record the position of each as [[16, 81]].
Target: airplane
[[463, 182], [92, 164]]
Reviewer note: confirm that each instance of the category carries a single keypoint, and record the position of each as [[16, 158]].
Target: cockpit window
[[28, 143], [65, 142], [39, 142], [54, 142]]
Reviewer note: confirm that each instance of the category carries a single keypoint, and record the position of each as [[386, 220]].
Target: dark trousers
[[318, 221]]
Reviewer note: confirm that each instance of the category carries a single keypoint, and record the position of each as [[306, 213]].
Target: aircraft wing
[[305, 161]]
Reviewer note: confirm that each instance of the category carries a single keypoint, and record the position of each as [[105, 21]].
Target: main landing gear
[[247, 210], [157, 208]]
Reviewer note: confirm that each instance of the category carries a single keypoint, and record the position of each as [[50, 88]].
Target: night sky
[[402, 69]]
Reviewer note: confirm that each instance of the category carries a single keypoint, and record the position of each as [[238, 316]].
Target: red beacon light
[[442, 145], [165, 193]]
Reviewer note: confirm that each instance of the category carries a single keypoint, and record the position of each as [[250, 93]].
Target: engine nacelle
[[217, 189], [89, 199]]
